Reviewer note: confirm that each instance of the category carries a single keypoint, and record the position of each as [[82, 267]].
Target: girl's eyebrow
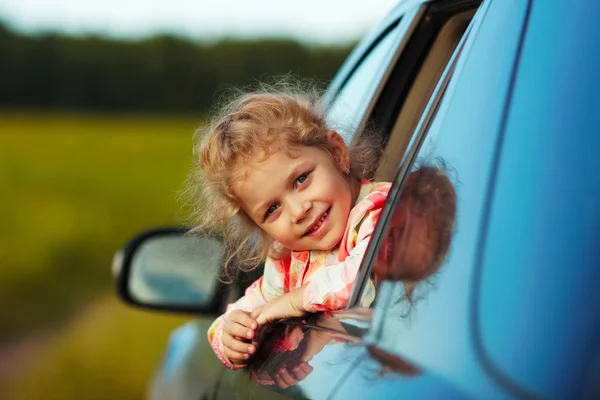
[[296, 171], [262, 207], [259, 211]]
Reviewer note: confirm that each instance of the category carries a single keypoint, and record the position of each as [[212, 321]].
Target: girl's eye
[[301, 179], [271, 210]]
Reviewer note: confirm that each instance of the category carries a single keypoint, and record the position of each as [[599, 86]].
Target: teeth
[[318, 224]]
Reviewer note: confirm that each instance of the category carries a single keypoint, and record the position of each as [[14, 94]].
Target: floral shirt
[[328, 275]]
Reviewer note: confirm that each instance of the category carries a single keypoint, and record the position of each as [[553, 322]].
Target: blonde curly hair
[[252, 126]]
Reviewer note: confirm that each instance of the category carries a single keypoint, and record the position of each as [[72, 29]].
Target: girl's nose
[[299, 210]]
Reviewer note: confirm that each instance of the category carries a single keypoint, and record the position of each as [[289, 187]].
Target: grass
[[74, 188], [109, 352]]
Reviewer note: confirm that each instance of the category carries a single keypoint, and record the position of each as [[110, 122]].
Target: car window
[[434, 62], [425, 256], [447, 34], [350, 105]]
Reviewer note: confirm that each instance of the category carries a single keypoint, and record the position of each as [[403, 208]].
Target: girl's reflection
[[284, 356], [419, 233]]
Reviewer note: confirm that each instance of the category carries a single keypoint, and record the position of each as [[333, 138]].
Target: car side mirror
[[171, 270]]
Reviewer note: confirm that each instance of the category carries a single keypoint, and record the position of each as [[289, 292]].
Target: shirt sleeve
[[330, 287], [267, 287]]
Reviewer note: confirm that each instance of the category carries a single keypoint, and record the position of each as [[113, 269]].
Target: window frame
[[405, 18], [412, 150], [433, 16], [400, 15]]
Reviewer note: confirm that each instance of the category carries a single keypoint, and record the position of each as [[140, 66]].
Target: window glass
[[427, 252], [350, 105]]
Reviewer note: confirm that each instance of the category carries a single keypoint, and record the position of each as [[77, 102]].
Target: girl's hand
[[286, 377], [289, 305], [238, 332]]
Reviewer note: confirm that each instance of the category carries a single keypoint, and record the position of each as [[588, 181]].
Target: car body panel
[[547, 189]]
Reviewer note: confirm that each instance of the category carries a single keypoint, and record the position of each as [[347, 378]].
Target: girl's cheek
[[380, 270], [279, 231]]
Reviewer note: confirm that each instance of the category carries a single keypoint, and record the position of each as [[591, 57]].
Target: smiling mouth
[[315, 227]]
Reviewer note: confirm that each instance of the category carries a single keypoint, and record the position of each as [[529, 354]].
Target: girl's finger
[[236, 345], [244, 319], [279, 381], [285, 375], [256, 312], [235, 356], [272, 314], [307, 368], [264, 317], [239, 330], [298, 373], [301, 371]]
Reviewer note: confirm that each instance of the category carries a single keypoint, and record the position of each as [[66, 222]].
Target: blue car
[[503, 98]]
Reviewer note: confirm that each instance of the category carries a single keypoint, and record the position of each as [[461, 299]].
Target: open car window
[[443, 39]]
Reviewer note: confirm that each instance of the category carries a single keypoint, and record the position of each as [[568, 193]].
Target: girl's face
[[300, 197], [406, 251]]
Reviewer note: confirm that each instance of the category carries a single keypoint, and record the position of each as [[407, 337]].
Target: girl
[[285, 188]]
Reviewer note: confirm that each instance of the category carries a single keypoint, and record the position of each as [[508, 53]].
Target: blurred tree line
[[164, 73]]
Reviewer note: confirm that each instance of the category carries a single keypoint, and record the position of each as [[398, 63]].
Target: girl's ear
[[340, 150]]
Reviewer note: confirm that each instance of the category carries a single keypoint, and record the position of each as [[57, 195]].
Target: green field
[[73, 189], [107, 352]]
